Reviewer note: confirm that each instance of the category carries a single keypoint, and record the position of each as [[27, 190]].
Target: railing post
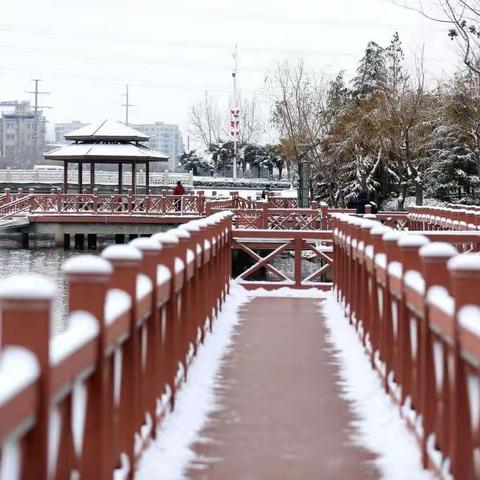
[[95, 200], [409, 246], [434, 257], [25, 310], [465, 277], [324, 215], [314, 208], [8, 195], [170, 245], [201, 203], [264, 216], [126, 262], [88, 277], [129, 201]]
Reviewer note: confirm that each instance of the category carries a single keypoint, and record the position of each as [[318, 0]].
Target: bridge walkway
[[280, 415]]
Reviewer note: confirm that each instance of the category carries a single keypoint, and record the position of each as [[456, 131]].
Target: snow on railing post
[[465, 277], [434, 257], [151, 250], [170, 250], [25, 312], [126, 260], [88, 277]]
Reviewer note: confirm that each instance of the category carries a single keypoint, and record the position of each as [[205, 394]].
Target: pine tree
[[371, 72]]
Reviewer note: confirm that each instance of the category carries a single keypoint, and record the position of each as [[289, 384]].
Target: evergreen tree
[[371, 72], [192, 161]]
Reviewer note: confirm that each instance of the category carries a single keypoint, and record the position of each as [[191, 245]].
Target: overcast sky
[[171, 51]]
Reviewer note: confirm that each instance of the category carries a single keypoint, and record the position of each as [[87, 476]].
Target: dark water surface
[[47, 262]]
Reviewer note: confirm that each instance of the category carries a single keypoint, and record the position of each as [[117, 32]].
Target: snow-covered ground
[[391, 204], [378, 424]]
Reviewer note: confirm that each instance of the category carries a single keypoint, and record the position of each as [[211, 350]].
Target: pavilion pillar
[[65, 176], [120, 177], [147, 178], [134, 178], [80, 177], [92, 176]]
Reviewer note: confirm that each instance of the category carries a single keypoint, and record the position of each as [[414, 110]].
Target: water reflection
[[47, 262]]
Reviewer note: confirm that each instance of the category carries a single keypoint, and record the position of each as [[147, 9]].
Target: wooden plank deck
[[280, 414]]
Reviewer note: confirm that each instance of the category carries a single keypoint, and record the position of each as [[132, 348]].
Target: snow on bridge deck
[[270, 403]]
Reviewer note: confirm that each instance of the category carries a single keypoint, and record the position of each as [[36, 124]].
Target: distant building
[[62, 129], [22, 136], [165, 138]]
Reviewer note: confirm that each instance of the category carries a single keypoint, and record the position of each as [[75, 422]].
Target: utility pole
[[126, 104], [36, 109], [235, 121]]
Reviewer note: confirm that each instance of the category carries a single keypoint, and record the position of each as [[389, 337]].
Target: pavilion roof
[[107, 130], [106, 153]]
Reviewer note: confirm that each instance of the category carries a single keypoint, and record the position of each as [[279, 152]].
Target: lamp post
[[304, 178]]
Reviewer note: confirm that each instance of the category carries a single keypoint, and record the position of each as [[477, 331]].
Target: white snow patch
[[379, 425], [469, 318], [82, 328], [415, 280], [440, 298], [144, 286], [18, 369], [117, 302], [287, 292], [169, 455]]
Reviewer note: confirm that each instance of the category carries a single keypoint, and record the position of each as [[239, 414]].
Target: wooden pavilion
[[106, 143]]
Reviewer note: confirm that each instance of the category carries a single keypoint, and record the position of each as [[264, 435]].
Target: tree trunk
[[258, 171], [418, 194], [280, 171]]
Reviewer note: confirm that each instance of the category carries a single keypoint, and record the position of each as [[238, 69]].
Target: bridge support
[[134, 178], [65, 177], [120, 177], [92, 176], [80, 177]]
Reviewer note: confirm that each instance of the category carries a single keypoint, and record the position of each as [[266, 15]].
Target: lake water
[[47, 262]]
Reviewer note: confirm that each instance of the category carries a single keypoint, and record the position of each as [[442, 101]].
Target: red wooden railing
[[418, 314], [439, 218], [125, 204], [86, 402], [293, 243]]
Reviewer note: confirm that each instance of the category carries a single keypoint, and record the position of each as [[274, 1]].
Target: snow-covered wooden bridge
[[168, 368]]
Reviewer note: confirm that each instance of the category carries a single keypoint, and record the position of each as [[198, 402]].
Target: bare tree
[[462, 17], [206, 122], [209, 122], [299, 111]]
